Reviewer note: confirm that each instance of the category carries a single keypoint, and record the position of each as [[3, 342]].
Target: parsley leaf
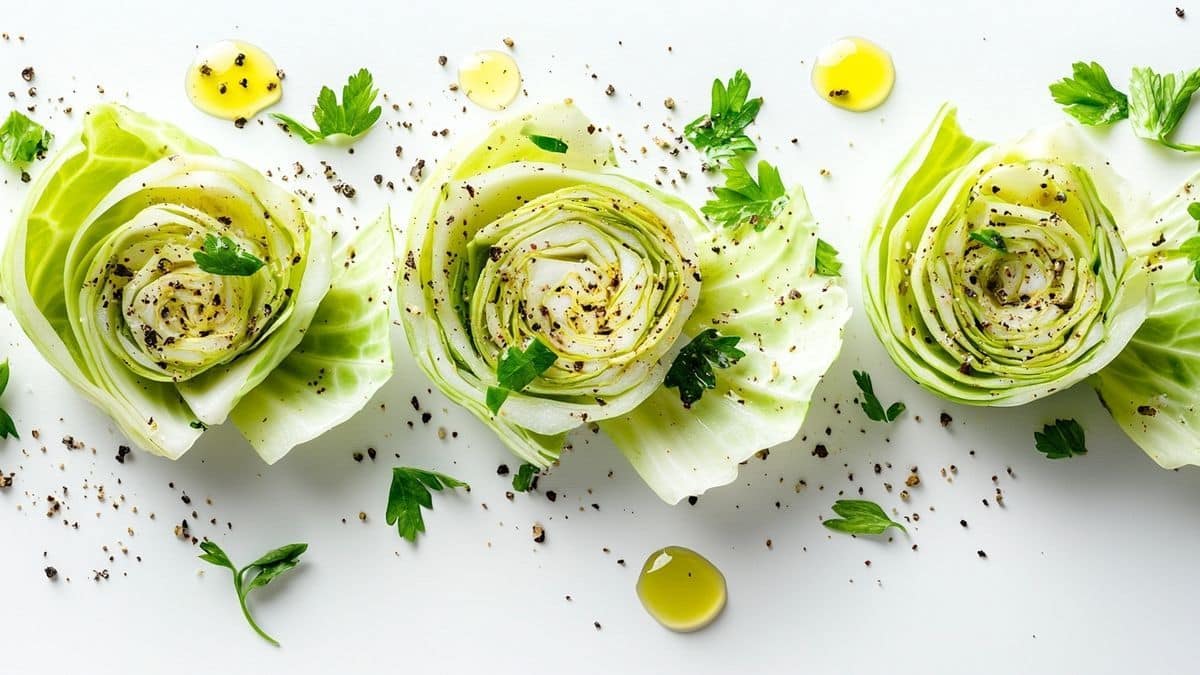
[[1089, 97], [525, 477], [859, 516], [1191, 247], [267, 568], [409, 492], [352, 117], [517, 369], [721, 133], [744, 199], [870, 403], [1157, 104], [1060, 440], [22, 139], [7, 426], [692, 371], [989, 238], [224, 257], [548, 143], [827, 264]]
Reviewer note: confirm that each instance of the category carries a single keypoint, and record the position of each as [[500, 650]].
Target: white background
[[1091, 563]]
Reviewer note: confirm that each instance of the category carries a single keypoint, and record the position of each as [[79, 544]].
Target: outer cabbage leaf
[[344, 358], [1151, 388], [762, 286], [995, 275]]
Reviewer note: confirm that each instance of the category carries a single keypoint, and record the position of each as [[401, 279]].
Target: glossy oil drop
[[490, 79], [854, 73], [233, 80], [681, 589]]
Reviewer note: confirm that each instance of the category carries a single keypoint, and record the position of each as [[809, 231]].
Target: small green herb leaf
[[989, 238], [269, 566], [22, 139], [197, 424], [1089, 97], [524, 477], [7, 426], [496, 396], [859, 516], [1060, 440], [870, 402], [721, 133], [213, 554], [692, 370], [517, 369], [743, 199], [827, 264], [548, 143], [409, 493], [352, 117], [223, 256], [1157, 103], [1193, 210]]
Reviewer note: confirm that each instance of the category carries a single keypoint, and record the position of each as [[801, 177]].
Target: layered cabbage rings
[[102, 273], [999, 274], [513, 241]]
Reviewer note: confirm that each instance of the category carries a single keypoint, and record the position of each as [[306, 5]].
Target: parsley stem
[[237, 582]]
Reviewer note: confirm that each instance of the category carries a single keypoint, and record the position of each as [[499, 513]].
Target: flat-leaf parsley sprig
[[409, 493], [351, 118], [870, 402], [263, 571], [721, 134], [692, 370], [743, 199], [859, 516]]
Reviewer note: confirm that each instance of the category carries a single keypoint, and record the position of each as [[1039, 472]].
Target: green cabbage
[[1151, 387], [512, 240], [100, 272], [995, 275]]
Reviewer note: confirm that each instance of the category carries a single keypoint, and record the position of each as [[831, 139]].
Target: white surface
[[1091, 563]]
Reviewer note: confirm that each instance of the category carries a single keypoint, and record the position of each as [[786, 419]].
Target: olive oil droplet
[[233, 80], [854, 73], [490, 79], [681, 589]]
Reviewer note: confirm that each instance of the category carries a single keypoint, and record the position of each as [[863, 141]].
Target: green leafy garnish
[[269, 566], [1060, 440], [1089, 97], [859, 516], [870, 402], [22, 139], [1157, 104], [197, 424], [517, 369], [523, 478], [721, 133], [223, 256], [692, 371], [7, 426], [548, 143], [1191, 247], [409, 492], [744, 199], [989, 238], [827, 264], [352, 117]]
